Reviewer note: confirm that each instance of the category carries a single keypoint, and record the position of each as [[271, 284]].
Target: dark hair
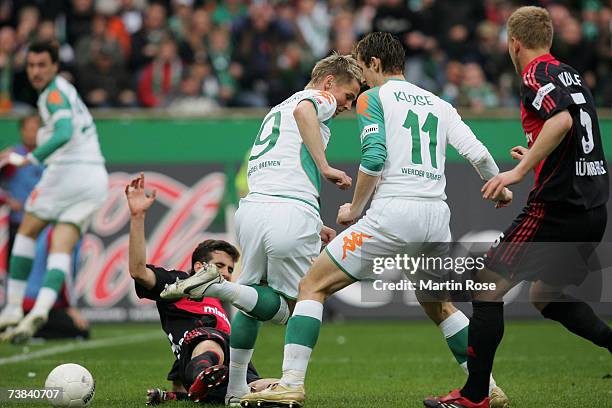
[[46, 46], [384, 46], [203, 252], [25, 118]]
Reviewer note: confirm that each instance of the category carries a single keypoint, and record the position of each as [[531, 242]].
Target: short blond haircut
[[342, 67], [532, 26]]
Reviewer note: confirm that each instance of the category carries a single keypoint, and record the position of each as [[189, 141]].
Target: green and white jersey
[[280, 165], [404, 133], [68, 134]]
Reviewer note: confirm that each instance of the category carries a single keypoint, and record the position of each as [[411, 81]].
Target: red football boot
[[207, 380], [454, 400]]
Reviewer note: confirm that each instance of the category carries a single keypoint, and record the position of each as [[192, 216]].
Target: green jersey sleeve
[[371, 120]]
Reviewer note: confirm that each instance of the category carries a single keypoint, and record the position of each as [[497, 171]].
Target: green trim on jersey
[[310, 99], [310, 168], [372, 131]]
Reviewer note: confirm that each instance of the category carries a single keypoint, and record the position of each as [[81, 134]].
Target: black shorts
[[549, 242], [190, 341]]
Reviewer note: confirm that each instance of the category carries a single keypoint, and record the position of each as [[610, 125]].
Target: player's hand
[[505, 199], [138, 201], [327, 234], [10, 157], [338, 177], [346, 216], [494, 187], [518, 152]]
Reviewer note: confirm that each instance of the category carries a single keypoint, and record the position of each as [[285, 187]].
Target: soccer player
[[198, 331], [567, 205], [278, 223], [404, 134], [73, 186]]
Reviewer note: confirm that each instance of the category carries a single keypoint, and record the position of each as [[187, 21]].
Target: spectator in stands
[[161, 78], [27, 23], [313, 21], [78, 20], [220, 55], [476, 93], [47, 31], [364, 16], [196, 38], [571, 48], [259, 39], [18, 182], [145, 43], [228, 11], [7, 49], [88, 47], [105, 83], [452, 82], [180, 19], [130, 12], [190, 99]]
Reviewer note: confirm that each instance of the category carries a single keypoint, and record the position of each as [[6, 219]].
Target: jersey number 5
[[431, 127], [271, 129]]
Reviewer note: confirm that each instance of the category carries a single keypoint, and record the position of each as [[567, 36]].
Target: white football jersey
[[404, 134], [280, 165], [60, 100]]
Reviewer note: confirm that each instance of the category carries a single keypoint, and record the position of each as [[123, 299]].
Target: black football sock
[[579, 318], [200, 363], [485, 333]]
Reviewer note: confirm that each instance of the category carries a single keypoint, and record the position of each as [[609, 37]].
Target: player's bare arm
[[550, 137], [348, 213], [139, 202], [305, 116]]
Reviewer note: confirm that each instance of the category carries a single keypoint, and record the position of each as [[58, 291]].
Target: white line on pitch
[[85, 345]]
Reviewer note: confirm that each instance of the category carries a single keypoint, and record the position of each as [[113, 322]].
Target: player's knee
[[438, 311], [208, 345], [64, 238], [309, 288]]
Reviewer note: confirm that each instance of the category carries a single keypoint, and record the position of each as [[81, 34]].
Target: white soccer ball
[[76, 384]]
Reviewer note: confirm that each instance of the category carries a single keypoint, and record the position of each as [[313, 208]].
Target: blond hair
[[342, 67], [532, 26]]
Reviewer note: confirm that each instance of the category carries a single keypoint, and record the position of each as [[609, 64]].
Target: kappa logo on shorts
[[33, 195], [355, 240]]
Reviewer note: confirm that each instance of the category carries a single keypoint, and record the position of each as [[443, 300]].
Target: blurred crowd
[[197, 55]]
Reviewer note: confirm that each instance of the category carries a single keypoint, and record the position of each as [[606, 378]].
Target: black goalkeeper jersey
[[575, 173]]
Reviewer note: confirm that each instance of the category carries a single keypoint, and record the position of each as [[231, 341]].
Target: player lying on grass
[[565, 218], [278, 223], [404, 134], [198, 330], [68, 146]]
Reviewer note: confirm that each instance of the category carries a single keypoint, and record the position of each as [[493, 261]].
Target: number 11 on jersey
[[431, 127]]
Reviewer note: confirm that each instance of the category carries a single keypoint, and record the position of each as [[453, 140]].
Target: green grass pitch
[[365, 364]]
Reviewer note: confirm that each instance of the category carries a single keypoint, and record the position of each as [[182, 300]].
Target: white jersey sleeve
[[324, 103], [461, 137]]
